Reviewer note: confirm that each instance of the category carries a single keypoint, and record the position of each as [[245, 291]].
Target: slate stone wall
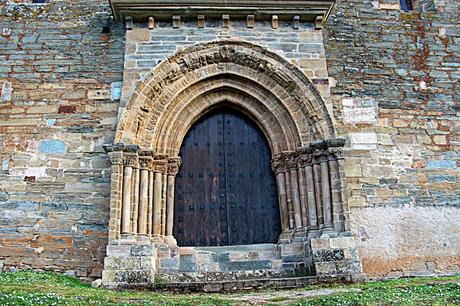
[[59, 81], [396, 100], [147, 48]]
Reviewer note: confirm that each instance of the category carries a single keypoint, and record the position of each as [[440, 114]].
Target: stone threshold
[[253, 284]]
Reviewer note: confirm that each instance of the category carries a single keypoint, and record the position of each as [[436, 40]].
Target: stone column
[[318, 194], [295, 195], [130, 160], [303, 161], [115, 153], [145, 159], [287, 176], [279, 167], [135, 196], [159, 167], [337, 203], [150, 200], [326, 193], [173, 169], [311, 199], [164, 190]]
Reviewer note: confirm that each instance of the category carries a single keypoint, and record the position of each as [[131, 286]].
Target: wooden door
[[225, 190]]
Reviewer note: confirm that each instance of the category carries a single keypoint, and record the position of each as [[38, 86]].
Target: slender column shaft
[[296, 198], [170, 206], [303, 196], [163, 203], [289, 200], [135, 199], [116, 191], [326, 194], [284, 215], [143, 202], [126, 211], [157, 204], [150, 204], [337, 204], [318, 196], [311, 198]]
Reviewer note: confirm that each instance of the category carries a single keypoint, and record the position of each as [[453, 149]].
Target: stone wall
[[396, 100], [60, 79], [146, 48]]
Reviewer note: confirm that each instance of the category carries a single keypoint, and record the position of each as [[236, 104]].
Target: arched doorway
[[225, 189]]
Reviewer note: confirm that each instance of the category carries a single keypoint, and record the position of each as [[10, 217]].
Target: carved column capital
[[115, 153], [173, 166], [336, 153], [116, 158], [279, 164], [160, 164], [131, 160], [146, 159], [305, 159], [292, 160]]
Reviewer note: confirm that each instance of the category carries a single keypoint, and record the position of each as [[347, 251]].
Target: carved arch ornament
[[261, 84]]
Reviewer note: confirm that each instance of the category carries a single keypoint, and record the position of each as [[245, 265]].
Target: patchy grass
[[33, 288], [406, 291]]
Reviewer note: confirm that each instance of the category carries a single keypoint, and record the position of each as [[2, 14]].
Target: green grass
[[405, 291], [33, 288]]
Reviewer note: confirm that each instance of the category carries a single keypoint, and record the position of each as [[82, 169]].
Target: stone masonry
[[76, 75], [60, 77], [397, 77]]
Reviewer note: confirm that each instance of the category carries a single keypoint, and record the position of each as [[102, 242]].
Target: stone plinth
[[336, 257], [129, 265]]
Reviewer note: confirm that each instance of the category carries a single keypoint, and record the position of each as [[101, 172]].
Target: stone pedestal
[[129, 264], [336, 257]]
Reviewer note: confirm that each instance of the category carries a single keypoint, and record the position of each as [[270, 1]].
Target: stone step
[[237, 275], [250, 284], [242, 252], [229, 258]]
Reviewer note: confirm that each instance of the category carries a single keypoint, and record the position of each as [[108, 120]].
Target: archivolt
[[275, 93]]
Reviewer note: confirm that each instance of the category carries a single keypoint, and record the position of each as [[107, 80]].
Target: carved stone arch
[[255, 69], [274, 93]]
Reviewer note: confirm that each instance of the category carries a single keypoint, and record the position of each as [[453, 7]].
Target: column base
[[299, 234], [313, 233], [285, 237], [170, 241]]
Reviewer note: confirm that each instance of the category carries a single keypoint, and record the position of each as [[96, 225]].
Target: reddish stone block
[[67, 109]]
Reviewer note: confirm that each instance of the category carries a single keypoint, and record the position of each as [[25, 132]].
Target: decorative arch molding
[[275, 94], [252, 69]]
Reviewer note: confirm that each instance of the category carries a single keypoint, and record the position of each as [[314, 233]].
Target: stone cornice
[[140, 10]]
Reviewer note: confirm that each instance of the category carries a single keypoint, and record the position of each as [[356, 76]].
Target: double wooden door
[[225, 190]]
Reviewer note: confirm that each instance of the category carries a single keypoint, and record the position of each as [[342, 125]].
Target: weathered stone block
[[325, 268], [122, 263], [319, 244], [52, 146], [342, 243]]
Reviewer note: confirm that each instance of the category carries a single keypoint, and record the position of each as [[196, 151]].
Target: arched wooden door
[[225, 190]]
